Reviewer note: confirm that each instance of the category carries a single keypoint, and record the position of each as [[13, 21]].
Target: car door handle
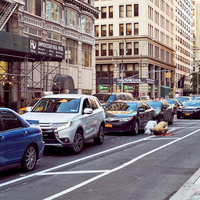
[[25, 132], [1, 137]]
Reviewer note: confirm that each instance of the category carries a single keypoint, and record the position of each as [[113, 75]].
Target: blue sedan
[[21, 145]]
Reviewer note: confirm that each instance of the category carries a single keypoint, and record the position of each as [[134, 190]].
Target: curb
[[190, 190]]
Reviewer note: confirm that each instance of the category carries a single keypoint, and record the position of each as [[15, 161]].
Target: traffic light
[[168, 75]]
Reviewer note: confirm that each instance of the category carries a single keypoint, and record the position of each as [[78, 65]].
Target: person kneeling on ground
[[160, 129]]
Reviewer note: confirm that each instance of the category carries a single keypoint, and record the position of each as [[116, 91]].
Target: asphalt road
[[125, 167]]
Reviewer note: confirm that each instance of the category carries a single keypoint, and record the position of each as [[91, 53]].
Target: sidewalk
[[190, 190]]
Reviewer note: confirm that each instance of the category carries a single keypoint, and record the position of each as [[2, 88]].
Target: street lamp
[[115, 66], [141, 65], [122, 85]]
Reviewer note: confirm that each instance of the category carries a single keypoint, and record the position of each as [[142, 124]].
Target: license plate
[[45, 135], [187, 113], [109, 125]]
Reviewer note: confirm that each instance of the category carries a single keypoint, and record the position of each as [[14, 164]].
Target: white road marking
[[73, 172], [72, 162], [115, 169]]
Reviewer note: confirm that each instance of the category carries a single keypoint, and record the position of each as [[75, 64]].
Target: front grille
[[188, 111]]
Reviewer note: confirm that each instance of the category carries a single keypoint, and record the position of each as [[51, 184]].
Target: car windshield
[[170, 101], [191, 103], [155, 104], [182, 98], [105, 98], [122, 106], [57, 105], [33, 102]]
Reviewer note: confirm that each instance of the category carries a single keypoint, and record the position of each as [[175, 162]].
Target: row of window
[[182, 50], [106, 70], [161, 36], [182, 59], [182, 68], [160, 19], [54, 13], [183, 42], [107, 50], [183, 33], [130, 10], [165, 7], [128, 29]]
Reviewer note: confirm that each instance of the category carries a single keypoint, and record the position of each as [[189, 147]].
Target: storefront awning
[[63, 82], [17, 48]]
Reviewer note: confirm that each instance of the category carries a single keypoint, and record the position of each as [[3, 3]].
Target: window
[[103, 30], [121, 48], [136, 10], [104, 71], [121, 29], [71, 51], [96, 31], [110, 47], [86, 25], [129, 48], [53, 36], [98, 75], [128, 10], [110, 11], [110, 30], [129, 70], [53, 12], [10, 121], [71, 19], [129, 29], [97, 49], [111, 71], [103, 50], [86, 55], [136, 28], [33, 7], [136, 48], [121, 11], [103, 12]]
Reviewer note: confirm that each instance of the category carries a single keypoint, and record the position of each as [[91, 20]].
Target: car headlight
[[61, 126], [196, 110], [180, 109], [125, 119]]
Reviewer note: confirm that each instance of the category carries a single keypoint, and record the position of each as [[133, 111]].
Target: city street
[[128, 167]]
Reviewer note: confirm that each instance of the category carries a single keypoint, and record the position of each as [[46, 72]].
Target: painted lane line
[[73, 172], [115, 169], [73, 162]]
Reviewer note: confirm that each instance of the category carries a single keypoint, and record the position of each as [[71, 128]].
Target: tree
[[193, 80]]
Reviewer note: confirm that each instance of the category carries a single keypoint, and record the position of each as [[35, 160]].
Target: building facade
[[138, 35], [60, 53], [183, 43]]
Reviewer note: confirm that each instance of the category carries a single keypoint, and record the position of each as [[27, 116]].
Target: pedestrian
[[160, 129], [22, 99]]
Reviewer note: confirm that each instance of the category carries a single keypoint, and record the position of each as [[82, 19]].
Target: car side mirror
[[28, 109], [141, 109], [88, 111]]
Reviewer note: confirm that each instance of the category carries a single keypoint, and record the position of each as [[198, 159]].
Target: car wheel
[[78, 143], [171, 120], [136, 128], [100, 138], [29, 159]]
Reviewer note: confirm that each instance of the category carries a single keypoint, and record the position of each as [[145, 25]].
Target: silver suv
[[68, 120]]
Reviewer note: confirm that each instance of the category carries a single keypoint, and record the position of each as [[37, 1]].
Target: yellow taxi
[[30, 104]]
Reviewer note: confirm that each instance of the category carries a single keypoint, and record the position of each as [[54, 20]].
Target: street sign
[[102, 87], [128, 87]]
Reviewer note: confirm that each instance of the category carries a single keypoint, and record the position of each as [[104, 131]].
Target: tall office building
[[184, 43], [136, 39]]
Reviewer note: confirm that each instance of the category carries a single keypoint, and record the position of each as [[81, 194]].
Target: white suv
[[68, 120]]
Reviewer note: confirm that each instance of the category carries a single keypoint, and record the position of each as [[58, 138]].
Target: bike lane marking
[[116, 169]]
